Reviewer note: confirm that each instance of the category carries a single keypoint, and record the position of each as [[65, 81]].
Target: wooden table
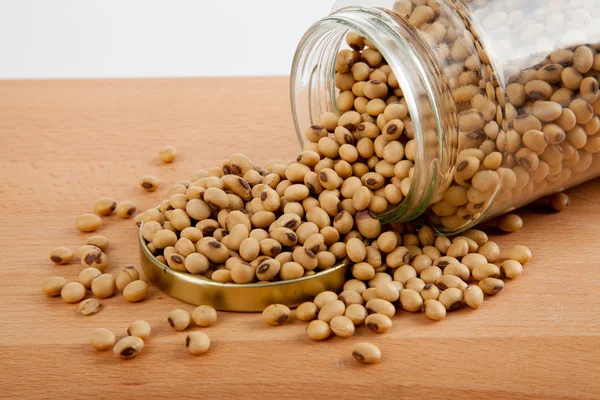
[[67, 143]]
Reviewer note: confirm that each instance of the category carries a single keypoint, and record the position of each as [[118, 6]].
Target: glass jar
[[502, 97]]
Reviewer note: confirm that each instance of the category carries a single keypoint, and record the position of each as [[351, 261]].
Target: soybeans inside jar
[[469, 108]]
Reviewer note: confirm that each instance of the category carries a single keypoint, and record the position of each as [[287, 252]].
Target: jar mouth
[[312, 91]]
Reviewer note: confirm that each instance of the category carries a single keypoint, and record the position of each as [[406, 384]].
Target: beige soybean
[[420, 262], [450, 281], [197, 342], [366, 353], [430, 291], [491, 285], [434, 310], [442, 243], [307, 311], [221, 275], [249, 249], [388, 291], [363, 271], [357, 313], [105, 206], [349, 297], [510, 223], [318, 330], [404, 273], [380, 306], [88, 222], [472, 260], [511, 269], [99, 241], [276, 314], [324, 298], [481, 272], [102, 339], [378, 323], [192, 233], [139, 328], [168, 154], [125, 209], [128, 347], [243, 272], [61, 255], [356, 250], [520, 253], [72, 292], [178, 319], [442, 262], [87, 276], [268, 269], [53, 286], [457, 269], [410, 300], [135, 291], [355, 285], [204, 315], [473, 296], [125, 277], [95, 258], [291, 270], [432, 273], [149, 183], [490, 250], [379, 277], [459, 248], [416, 284], [451, 298], [84, 249], [330, 310], [104, 286], [342, 326]]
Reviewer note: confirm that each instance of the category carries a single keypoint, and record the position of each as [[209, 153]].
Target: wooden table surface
[[64, 144]]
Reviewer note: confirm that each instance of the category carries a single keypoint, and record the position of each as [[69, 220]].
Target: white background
[[152, 38]]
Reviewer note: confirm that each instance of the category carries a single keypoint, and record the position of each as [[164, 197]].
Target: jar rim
[[313, 70]]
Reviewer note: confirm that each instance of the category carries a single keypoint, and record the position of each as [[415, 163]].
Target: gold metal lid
[[198, 290]]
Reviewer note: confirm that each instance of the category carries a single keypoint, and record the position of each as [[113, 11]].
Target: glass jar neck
[[427, 93]]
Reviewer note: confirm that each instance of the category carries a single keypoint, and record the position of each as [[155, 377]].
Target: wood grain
[[66, 143]]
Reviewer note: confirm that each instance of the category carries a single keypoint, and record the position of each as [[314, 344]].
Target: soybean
[[178, 319], [318, 330], [53, 286], [105, 206], [104, 286], [72, 292], [135, 291], [276, 314], [128, 347], [125, 209], [197, 342], [102, 339], [378, 323], [149, 183], [342, 326], [366, 353], [125, 277], [88, 222], [307, 311], [168, 154], [89, 307], [434, 310], [139, 328], [204, 315]]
